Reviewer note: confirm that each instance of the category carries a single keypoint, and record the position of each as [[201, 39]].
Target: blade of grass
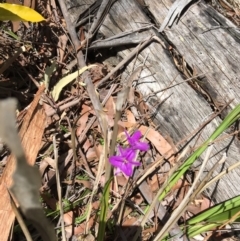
[[10, 60], [182, 207], [121, 100], [212, 218], [103, 159], [229, 120], [103, 211], [208, 224], [211, 213], [12, 34], [154, 201]]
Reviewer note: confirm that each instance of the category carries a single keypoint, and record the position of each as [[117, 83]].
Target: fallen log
[[194, 48]]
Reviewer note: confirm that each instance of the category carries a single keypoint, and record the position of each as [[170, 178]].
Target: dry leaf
[[82, 122], [16, 12], [66, 80], [15, 24], [156, 139]]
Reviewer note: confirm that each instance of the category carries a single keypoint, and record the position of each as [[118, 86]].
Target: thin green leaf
[[229, 120], [200, 228], [66, 80], [214, 213], [103, 210], [48, 72], [12, 34], [213, 217]]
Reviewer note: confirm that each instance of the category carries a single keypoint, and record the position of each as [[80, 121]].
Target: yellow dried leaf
[[66, 80], [16, 12]]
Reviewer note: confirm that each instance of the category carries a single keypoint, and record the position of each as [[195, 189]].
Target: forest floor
[[72, 128]]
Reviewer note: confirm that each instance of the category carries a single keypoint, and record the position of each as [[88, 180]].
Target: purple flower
[[135, 143], [124, 162]]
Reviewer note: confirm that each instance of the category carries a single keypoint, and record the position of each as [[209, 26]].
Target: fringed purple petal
[[125, 162], [136, 136], [142, 146], [127, 169], [117, 171], [128, 153], [116, 161], [135, 143], [135, 163]]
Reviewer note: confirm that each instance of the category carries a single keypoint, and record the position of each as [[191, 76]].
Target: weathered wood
[[208, 41], [214, 53]]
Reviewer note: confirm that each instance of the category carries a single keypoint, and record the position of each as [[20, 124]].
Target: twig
[[181, 208], [120, 105], [59, 189], [101, 14], [29, 75], [173, 85], [102, 161], [92, 120], [176, 11], [191, 135], [89, 17], [53, 4], [81, 62], [63, 107], [20, 220], [64, 160], [214, 179], [129, 57], [205, 181], [155, 199], [228, 4], [85, 163], [8, 62], [73, 164], [128, 37]]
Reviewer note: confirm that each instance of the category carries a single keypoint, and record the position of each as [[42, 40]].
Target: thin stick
[[101, 14], [129, 57], [81, 62], [180, 209], [59, 189], [235, 165], [155, 200], [206, 179], [20, 220], [92, 120]]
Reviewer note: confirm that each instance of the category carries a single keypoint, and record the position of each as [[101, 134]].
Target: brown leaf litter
[[74, 120]]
